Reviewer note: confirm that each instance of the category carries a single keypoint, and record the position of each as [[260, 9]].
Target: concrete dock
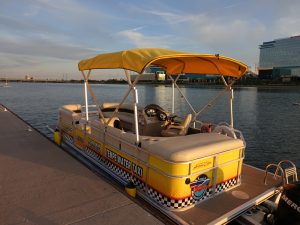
[[42, 184]]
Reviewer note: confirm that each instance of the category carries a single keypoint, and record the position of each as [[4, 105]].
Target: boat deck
[[229, 205], [41, 184]]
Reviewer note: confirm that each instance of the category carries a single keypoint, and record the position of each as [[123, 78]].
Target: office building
[[280, 57]]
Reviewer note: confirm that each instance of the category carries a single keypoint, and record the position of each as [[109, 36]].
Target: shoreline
[[243, 84]]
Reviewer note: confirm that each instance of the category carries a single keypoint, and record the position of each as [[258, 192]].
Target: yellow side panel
[[169, 168], [202, 164], [228, 156], [171, 187], [79, 139], [227, 172]]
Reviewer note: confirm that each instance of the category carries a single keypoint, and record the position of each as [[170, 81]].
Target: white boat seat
[[173, 130]]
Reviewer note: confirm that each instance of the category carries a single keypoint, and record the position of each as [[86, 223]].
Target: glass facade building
[[280, 57]]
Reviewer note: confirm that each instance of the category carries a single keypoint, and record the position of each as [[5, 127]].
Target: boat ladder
[[288, 172]]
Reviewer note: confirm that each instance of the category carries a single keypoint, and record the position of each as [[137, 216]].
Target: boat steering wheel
[[162, 116], [155, 110]]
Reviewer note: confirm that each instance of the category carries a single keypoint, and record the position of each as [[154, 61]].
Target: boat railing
[[287, 169], [226, 129], [92, 110], [239, 135], [275, 175]]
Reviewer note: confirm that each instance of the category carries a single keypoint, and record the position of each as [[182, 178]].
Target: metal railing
[[287, 171]]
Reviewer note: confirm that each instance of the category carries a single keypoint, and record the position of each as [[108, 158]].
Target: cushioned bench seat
[[191, 147]]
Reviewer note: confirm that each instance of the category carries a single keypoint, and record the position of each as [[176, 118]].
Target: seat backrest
[[185, 124], [112, 121], [181, 129]]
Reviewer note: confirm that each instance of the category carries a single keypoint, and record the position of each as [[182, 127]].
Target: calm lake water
[[267, 117]]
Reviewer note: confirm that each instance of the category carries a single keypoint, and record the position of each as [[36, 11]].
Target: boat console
[[152, 119]]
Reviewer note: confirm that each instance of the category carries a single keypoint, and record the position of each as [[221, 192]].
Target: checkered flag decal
[[168, 202], [161, 199], [115, 169], [227, 184], [67, 137]]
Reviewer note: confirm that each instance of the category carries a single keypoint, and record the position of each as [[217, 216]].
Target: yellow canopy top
[[173, 62]]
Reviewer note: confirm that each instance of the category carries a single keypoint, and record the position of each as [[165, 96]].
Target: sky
[[47, 38]]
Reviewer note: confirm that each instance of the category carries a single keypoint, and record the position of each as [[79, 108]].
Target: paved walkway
[[42, 184]]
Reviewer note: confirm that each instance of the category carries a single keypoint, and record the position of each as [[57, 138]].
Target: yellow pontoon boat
[[174, 163]]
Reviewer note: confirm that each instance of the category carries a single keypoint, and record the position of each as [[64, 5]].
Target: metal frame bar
[[95, 101], [132, 88], [228, 87], [136, 122], [175, 84], [231, 105], [86, 78], [173, 97], [173, 91], [230, 91]]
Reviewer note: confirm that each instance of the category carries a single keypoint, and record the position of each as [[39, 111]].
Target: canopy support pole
[[120, 104], [228, 87], [211, 102], [136, 122], [173, 91], [187, 101], [86, 78], [135, 102], [95, 101], [230, 92], [124, 98], [174, 82], [173, 97], [231, 106], [128, 77], [132, 89], [224, 81], [86, 101]]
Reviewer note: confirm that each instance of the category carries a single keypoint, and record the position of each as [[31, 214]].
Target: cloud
[[41, 33], [17, 66], [238, 38], [32, 11], [46, 32], [233, 28], [290, 22], [230, 36], [169, 17], [137, 39], [43, 47], [231, 6], [40, 57], [67, 6]]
